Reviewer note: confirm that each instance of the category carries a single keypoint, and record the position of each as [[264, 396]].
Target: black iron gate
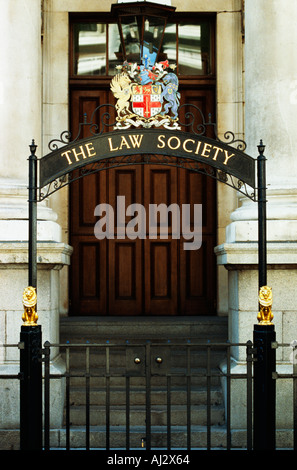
[[168, 399], [171, 396]]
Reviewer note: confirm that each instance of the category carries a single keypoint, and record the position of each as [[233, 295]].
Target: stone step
[[118, 379], [137, 437], [158, 413], [10, 438], [119, 336], [137, 396], [93, 329], [117, 359]]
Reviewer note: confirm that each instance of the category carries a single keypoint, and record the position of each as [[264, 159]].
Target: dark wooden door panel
[[198, 279], [152, 275], [125, 277], [82, 106], [124, 190], [125, 253], [204, 100], [161, 277], [160, 194], [88, 276], [199, 189], [86, 194]]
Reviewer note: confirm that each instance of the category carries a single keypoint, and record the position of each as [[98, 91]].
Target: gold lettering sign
[[85, 151], [135, 141], [147, 141]]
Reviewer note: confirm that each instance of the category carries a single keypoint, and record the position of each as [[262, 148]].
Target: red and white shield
[[146, 100]]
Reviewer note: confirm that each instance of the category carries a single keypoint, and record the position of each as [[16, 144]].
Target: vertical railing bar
[[208, 385], [107, 404], [148, 396], [46, 396], [127, 412], [67, 399], [87, 398], [188, 398], [249, 392], [228, 398], [168, 412], [32, 212]]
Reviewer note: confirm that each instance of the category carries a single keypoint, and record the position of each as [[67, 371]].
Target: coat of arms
[[146, 100], [146, 96]]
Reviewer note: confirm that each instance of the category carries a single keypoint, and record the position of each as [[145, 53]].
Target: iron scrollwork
[[201, 126], [102, 120], [91, 126]]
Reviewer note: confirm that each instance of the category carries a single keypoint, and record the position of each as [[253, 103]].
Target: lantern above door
[[141, 26]]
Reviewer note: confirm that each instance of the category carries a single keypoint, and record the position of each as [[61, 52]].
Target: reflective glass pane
[[168, 49], [115, 56], [90, 49], [152, 36], [194, 51], [131, 33]]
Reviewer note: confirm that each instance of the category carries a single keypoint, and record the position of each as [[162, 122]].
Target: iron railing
[[147, 361], [148, 370]]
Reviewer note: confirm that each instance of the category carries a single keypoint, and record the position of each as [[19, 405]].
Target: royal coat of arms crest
[[146, 96]]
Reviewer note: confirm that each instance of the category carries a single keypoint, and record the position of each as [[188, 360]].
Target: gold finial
[[30, 316], [265, 314]]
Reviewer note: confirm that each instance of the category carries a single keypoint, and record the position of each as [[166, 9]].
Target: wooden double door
[[122, 276]]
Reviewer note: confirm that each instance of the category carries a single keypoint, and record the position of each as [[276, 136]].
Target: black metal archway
[[186, 146]]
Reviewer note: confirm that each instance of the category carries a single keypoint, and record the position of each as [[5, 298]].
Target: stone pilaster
[[270, 114], [21, 120]]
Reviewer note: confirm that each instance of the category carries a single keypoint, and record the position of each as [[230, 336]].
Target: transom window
[[188, 43]]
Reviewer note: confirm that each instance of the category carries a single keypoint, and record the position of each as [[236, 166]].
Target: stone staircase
[[135, 332]]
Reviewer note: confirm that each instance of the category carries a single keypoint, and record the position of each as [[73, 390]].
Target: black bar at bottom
[[264, 388], [30, 389]]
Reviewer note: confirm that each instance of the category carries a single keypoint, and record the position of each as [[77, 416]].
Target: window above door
[[95, 48]]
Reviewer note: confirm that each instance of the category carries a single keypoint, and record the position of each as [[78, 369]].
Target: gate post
[[30, 388], [264, 371], [264, 334], [262, 242], [32, 235], [30, 336], [264, 388], [30, 375]]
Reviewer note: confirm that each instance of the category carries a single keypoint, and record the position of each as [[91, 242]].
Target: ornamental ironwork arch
[[241, 176], [187, 146]]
